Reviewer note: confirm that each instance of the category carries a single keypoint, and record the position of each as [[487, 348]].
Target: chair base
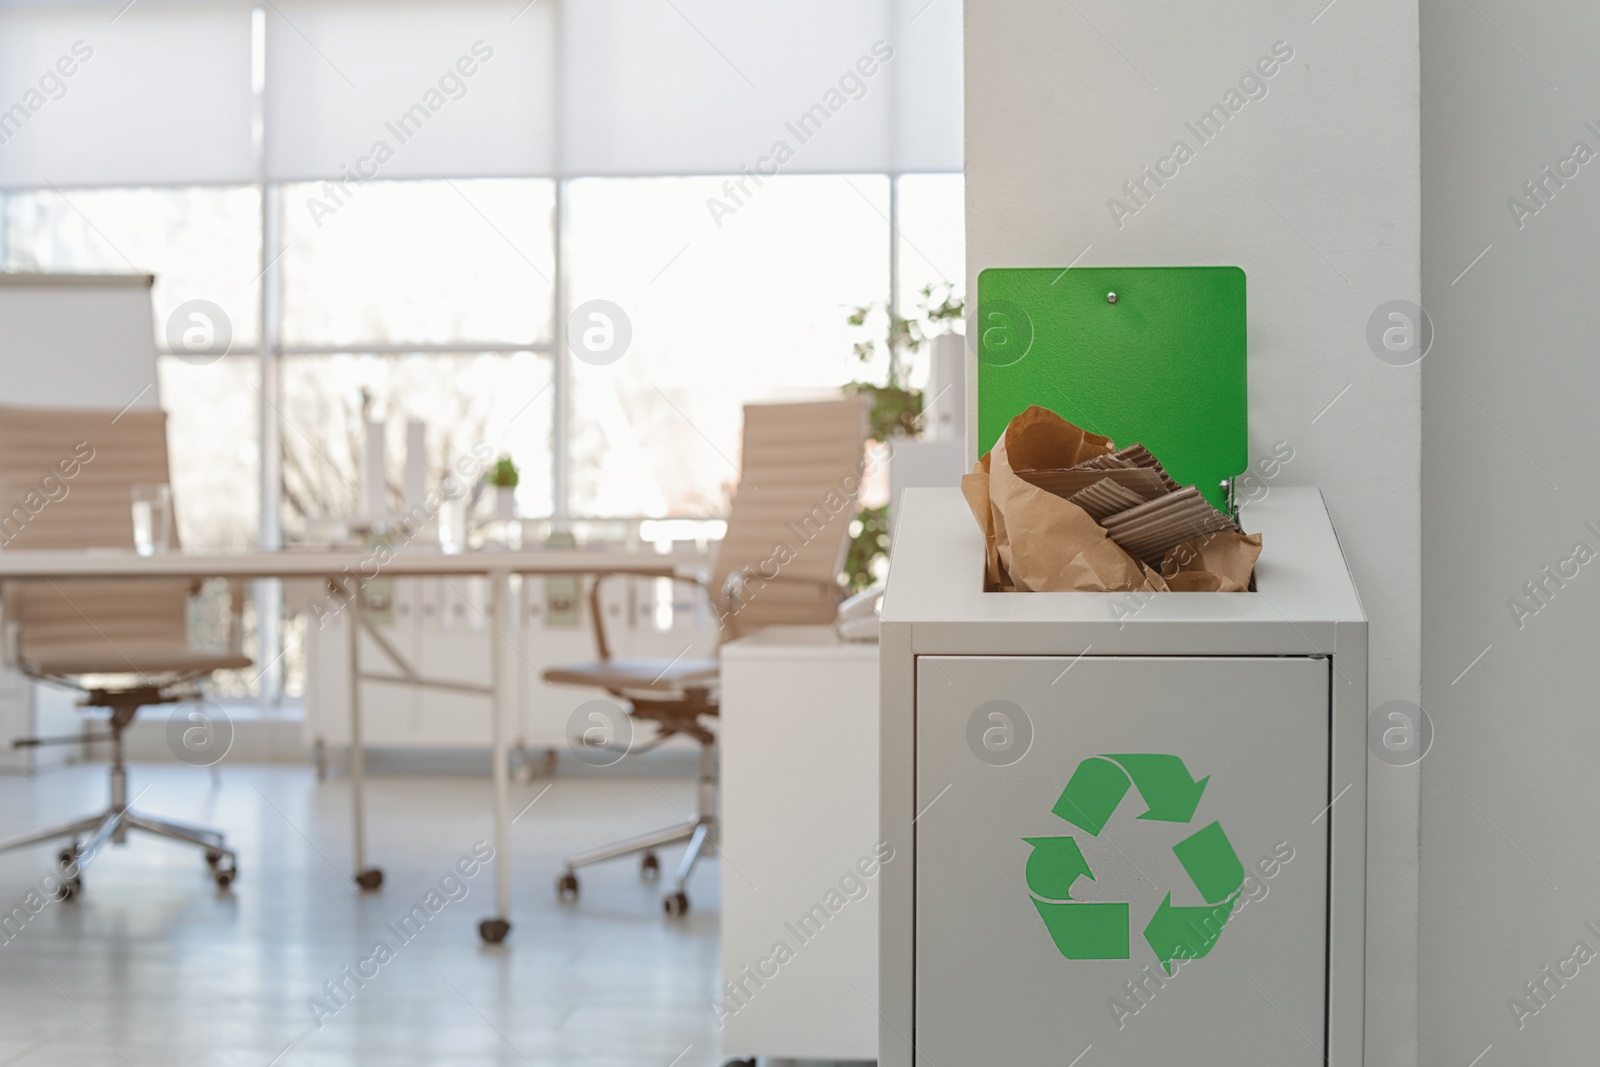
[[701, 835], [113, 824], [700, 832]]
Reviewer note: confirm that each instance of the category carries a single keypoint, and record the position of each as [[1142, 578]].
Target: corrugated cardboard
[[1061, 510]]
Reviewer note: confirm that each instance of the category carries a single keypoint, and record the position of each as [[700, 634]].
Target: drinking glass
[[152, 518]]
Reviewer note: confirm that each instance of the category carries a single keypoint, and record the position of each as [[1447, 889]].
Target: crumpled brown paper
[[1212, 563], [1036, 541]]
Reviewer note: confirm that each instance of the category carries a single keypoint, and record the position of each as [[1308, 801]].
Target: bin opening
[[1063, 509]]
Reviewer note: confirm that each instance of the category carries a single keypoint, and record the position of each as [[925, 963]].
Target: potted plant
[[896, 408], [504, 477]]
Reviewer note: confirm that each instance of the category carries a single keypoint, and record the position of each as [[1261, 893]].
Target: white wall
[[1510, 793], [1313, 190]]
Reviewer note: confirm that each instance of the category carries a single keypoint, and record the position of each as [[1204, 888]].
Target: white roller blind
[[159, 92], [461, 89], [928, 123], [157, 95], [709, 86]]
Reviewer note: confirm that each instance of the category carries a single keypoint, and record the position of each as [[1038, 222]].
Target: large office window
[[436, 301], [404, 302]]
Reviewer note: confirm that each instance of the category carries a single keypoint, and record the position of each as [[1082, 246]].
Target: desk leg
[[494, 930], [368, 878]]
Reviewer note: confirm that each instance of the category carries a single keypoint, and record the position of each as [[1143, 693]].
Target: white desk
[[798, 734], [344, 569]]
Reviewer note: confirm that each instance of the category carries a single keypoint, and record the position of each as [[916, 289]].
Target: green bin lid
[[1162, 363]]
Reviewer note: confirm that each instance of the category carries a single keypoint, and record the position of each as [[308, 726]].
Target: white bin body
[[991, 703]]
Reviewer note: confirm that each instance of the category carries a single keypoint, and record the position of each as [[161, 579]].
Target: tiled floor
[[153, 965]]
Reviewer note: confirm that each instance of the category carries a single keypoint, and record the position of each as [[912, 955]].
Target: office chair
[[123, 644], [778, 564]]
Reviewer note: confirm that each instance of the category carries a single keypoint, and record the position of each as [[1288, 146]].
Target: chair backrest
[[788, 528], [66, 478]]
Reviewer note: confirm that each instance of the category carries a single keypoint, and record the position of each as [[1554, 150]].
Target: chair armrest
[[726, 605], [602, 647], [738, 580], [735, 598]]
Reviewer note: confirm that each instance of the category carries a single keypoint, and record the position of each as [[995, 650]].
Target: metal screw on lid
[[1111, 298]]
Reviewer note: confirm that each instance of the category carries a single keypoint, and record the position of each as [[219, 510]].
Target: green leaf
[[504, 474], [896, 411], [866, 547]]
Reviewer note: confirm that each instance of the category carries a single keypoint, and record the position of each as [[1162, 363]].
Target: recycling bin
[[1125, 828]]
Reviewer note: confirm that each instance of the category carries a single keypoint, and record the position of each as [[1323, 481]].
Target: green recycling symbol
[[1092, 930]]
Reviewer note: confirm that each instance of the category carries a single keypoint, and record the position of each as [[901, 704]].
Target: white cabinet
[[35, 709], [1136, 826], [800, 856]]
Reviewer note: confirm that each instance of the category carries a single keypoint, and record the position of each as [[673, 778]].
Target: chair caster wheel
[[70, 887], [370, 879], [650, 867], [213, 857], [675, 904], [567, 888], [493, 931], [225, 876]]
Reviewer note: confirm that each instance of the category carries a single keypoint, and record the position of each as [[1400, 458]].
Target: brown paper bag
[[975, 487], [1040, 440], [1045, 543], [1036, 540]]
